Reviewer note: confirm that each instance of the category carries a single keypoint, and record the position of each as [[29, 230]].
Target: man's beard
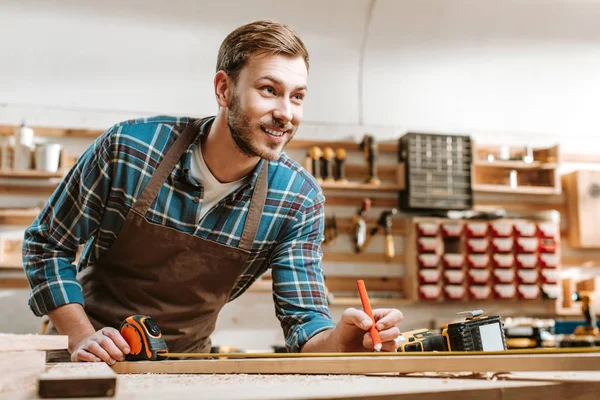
[[241, 130]]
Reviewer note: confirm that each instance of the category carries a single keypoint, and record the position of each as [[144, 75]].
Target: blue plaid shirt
[[90, 205]]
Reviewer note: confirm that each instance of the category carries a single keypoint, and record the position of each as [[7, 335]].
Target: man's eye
[[299, 97], [268, 89]]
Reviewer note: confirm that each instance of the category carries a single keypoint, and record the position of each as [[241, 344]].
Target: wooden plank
[[19, 370], [361, 172], [356, 202], [348, 284], [14, 342], [344, 226], [362, 257], [14, 282], [30, 174], [27, 190], [383, 187], [579, 261], [368, 365], [8, 130], [535, 190], [18, 216], [77, 380], [580, 158], [270, 387], [384, 147]]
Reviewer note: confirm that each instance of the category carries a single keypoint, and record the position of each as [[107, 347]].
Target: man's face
[[266, 104]]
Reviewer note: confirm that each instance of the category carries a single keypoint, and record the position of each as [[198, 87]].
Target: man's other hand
[[352, 332], [106, 345]]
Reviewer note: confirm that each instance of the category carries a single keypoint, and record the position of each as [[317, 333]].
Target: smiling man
[[181, 215]]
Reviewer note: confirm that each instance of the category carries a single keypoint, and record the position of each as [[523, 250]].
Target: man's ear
[[223, 88]]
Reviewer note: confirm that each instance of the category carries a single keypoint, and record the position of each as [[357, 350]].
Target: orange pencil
[[364, 298]]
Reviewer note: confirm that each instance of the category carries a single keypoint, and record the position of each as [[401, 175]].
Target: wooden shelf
[[30, 174], [361, 258], [537, 190], [384, 147], [355, 301], [515, 164], [18, 216], [8, 130], [361, 186]]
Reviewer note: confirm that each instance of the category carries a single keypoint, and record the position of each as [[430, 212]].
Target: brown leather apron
[[182, 281]]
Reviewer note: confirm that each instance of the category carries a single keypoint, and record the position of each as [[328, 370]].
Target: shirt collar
[[187, 159]]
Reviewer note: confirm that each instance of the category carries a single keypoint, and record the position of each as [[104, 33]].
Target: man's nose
[[283, 111]]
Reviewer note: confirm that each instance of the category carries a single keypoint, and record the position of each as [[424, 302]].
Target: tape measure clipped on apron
[[146, 343]]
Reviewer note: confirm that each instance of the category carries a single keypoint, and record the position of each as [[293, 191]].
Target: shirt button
[[196, 200]]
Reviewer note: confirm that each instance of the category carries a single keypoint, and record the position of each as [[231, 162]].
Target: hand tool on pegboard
[[340, 166], [331, 231], [315, 153], [370, 149], [384, 221], [359, 225], [328, 160]]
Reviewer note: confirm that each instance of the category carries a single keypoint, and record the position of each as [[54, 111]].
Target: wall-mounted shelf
[[30, 174], [361, 186], [536, 190], [515, 164]]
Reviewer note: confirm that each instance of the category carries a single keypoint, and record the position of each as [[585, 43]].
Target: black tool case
[[466, 336], [438, 172]]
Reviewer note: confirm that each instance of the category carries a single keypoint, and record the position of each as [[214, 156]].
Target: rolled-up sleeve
[[298, 282], [70, 218]]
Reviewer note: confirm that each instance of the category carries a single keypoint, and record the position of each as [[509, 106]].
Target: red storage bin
[[478, 245], [504, 275], [505, 291], [478, 260], [528, 276], [454, 292], [548, 260], [502, 228], [548, 230], [429, 260], [428, 244], [503, 260], [526, 260], [452, 229], [551, 291], [430, 292], [528, 292], [503, 244], [453, 260], [548, 245], [429, 275], [428, 228], [476, 229], [549, 276], [479, 276], [525, 229], [527, 244], [480, 292], [454, 276]]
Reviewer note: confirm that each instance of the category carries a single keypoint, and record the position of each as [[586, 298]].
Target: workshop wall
[[502, 71]]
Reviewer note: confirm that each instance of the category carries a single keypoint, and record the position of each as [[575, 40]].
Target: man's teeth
[[274, 133]]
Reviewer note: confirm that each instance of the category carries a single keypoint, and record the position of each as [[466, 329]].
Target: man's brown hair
[[264, 36]]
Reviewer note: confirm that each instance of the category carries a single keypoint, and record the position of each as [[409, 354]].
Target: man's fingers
[[82, 355], [389, 346], [111, 348], [387, 317], [358, 318], [117, 339], [389, 334], [387, 337], [95, 348]]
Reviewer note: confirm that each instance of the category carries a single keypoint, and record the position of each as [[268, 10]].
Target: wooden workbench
[[563, 385]]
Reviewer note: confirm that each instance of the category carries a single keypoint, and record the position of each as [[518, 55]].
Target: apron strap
[[257, 203], [166, 167], [169, 162]]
